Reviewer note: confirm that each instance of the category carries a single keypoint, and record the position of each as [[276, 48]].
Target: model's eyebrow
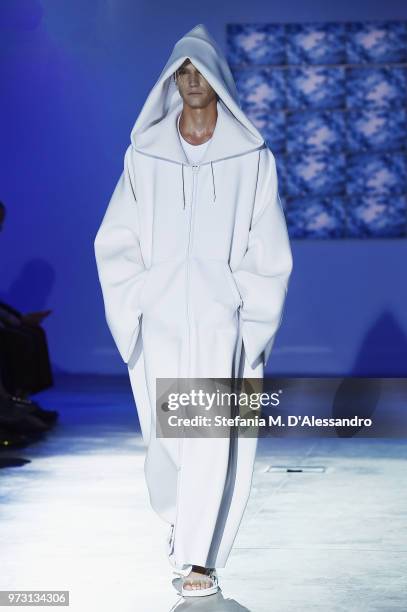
[[184, 71]]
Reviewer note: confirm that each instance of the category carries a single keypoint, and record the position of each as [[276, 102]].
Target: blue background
[[74, 76], [330, 99]]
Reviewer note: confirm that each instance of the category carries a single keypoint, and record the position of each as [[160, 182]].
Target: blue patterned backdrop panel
[[331, 101]]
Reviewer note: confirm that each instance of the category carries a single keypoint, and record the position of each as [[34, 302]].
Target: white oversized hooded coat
[[194, 263]]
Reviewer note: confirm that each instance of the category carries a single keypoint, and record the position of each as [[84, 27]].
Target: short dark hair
[[187, 61]]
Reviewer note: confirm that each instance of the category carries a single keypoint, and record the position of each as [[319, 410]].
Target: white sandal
[[214, 588]]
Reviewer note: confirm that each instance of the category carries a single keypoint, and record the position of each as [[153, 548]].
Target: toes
[[197, 583]]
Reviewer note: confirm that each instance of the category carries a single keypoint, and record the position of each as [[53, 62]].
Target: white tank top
[[194, 153]]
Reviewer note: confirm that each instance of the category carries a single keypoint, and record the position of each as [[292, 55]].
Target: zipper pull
[[195, 169]]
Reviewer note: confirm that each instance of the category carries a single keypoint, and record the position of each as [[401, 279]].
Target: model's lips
[[195, 93]]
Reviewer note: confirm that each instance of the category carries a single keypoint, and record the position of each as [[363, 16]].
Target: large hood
[[155, 131]]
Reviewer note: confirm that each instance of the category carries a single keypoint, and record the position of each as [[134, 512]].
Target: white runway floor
[[77, 518]]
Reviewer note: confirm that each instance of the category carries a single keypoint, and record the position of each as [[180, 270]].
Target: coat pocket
[[162, 289], [144, 289], [233, 286]]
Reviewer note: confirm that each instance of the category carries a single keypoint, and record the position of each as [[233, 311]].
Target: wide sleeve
[[119, 261], [263, 274]]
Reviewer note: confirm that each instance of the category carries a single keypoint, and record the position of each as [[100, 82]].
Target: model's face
[[194, 89]]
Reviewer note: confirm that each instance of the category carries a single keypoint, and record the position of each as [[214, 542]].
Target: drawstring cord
[[213, 184], [213, 179], [183, 184]]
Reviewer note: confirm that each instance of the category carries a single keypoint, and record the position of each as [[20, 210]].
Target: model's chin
[[195, 101]]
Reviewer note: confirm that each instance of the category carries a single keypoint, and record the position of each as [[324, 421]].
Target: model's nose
[[193, 80]]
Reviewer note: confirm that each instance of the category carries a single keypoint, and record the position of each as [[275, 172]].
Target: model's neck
[[197, 124]]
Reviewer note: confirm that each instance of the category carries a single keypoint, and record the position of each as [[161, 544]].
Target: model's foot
[[197, 579]]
